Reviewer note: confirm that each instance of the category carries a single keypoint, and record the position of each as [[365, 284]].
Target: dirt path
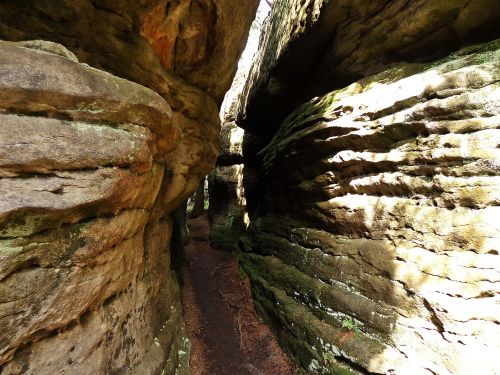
[[226, 335]]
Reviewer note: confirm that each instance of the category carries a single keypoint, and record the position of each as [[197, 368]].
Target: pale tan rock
[[31, 205], [85, 278], [74, 244], [378, 212], [45, 45], [42, 145], [198, 41], [91, 167], [310, 47], [97, 342], [77, 92]]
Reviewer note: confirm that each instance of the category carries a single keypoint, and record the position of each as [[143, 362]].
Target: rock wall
[[373, 242], [227, 208], [311, 47], [99, 143], [227, 205]]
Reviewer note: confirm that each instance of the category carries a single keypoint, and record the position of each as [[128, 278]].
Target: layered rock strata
[[375, 245], [86, 285], [91, 167], [311, 47], [227, 208]]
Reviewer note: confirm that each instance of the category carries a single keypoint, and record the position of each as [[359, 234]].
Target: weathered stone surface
[[74, 91], [373, 246], [227, 208], [30, 205], [42, 145], [91, 166], [200, 40], [197, 40], [186, 51], [87, 164], [311, 47]]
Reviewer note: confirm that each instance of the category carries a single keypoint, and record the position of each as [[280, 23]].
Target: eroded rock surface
[[199, 41], [311, 47], [227, 208], [82, 259], [91, 167], [375, 248]]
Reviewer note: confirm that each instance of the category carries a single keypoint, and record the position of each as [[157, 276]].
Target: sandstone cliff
[[373, 236], [311, 47], [227, 214], [101, 137]]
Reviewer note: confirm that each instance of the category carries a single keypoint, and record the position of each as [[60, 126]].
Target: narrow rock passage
[[227, 336]]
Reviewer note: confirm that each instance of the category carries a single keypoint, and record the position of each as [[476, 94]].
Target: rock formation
[[108, 120], [373, 236], [227, 208], [311, 47], [227, 213]]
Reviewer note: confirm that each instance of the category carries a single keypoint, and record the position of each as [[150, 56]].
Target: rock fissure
[[356, 179]]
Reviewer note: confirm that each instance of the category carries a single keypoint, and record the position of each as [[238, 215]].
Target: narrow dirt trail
[[226, 335]]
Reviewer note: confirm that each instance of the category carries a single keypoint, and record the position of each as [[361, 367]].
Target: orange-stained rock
[[101, 137], [200, 40]]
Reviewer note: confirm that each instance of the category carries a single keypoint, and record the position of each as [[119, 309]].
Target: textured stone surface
[[373, 247], [311, 47], [227, 208], [91, 166], [200, 40], [137, 41], [197, 40], [227, 214]]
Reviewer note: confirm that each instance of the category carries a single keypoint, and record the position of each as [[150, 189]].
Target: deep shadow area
[[226, 335]]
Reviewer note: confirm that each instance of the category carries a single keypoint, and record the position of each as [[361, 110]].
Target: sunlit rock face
[[309, 48], [99, 142], [227, 208], [86, 285], [373, 236]]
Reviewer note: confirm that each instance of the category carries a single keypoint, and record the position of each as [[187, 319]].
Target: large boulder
[[374, 245]]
